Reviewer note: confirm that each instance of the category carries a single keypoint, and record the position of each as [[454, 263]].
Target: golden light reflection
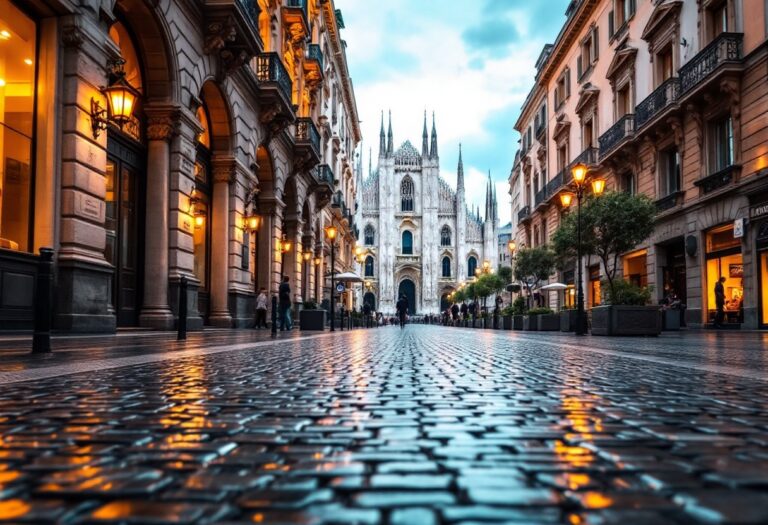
[[114, 510], [13, 508], [184, 387], [596, 500]]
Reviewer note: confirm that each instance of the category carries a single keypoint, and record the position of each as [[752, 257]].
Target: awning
[[555, 286], [348, 277]]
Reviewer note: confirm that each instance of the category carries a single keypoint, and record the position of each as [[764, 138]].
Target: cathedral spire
[[389, 136], [460, 174], [382, 143], [488, 197], [433, 150], [425, 138], [495, 205], [370, 161]]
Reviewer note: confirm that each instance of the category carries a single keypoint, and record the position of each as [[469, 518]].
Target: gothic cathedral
[[419, 237]]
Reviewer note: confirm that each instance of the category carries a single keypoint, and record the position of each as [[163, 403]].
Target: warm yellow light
[[579, 172], [5, 35], [307, 256], [598, 186], [285, 246], [512, 246], [252, 222], [2, 82], [317, 261], [358, 250], [199, 218], [122, 100], [566, 199], [330, 232], [28, 61], [486, 264], [477, 271]]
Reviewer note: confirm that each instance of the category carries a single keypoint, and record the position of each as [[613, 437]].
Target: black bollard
[[341, 320], [182, 322], [274, 316], [41, 339]]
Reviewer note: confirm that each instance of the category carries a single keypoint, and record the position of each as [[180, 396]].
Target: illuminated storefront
[[724, 259]]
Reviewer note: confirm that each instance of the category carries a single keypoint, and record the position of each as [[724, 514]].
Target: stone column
[[156, 312], [223, 175]]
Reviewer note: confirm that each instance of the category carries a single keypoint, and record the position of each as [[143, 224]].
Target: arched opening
[[262, 247], [306, 248], [446, 266], [369, 266], [445, 302], [445, 236], [406, 194], [370, 300], [471, 266], [369, 235], [125, 198], [408, 289], [407, 243]]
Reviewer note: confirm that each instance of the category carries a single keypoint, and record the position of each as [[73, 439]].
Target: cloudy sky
[[469, 61]]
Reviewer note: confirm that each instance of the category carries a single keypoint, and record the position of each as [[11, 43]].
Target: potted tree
[[311, 317], [620, 222], [506, 317], [533, 266], [519, 307]]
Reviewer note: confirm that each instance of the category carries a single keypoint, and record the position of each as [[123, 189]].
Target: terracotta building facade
[[148, 142], [670, 99]]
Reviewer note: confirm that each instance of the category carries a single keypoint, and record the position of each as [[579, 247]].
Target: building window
[[635, 268], [369, 266], [721, 141], [670, 171], [446, 267], [587, 134], [594, 285], [370, 235], [445, 236], [406, 195], [627, 182], [589, 54], [471, 266], [665, 65], [623, 102], [407, 243], [562, 157], [725, 260], [717, 19], [18, 54], [623, 11], [563, 88]]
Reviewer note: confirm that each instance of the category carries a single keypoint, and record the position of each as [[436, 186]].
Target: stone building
[[667, 98], [420, 238], [146, 142]]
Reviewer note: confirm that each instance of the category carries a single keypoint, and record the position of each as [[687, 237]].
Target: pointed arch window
[[446, 266], [445, 236], [471, 266], [407, 243], [406, 194], [369, 266], [370, 235]]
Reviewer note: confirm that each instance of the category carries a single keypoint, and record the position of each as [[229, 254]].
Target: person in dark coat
[[455, 311], [463, 310], [720, 302], [402, 310], [284, 300]]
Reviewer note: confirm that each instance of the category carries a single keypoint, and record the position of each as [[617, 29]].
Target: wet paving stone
[[386, 427]]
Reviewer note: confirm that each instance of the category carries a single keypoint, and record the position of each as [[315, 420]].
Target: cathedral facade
[[420, 239]]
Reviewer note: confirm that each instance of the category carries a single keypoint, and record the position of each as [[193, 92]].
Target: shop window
[[18, 55], [594, 285], [725, 260], [634, 268], [721, 141], [670, 171], [569, 294], [764, 288]]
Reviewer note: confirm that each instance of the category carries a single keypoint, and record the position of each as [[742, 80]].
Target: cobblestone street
[[422, 426]]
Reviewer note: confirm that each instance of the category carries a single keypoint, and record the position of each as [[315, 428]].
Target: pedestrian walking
[[719, 302], [284, 299], [402, 310], [367, 314], [261, 308], [455, 311]]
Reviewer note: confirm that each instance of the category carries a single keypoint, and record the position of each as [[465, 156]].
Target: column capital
[[223, 168], [162, 122]]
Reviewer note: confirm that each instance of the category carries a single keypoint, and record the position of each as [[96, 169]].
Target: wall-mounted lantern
[[121, 101]]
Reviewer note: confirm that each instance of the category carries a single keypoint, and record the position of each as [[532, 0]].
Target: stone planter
[[312, 320], [671, 319], [531, 323], [517, 322], [626, 320], [568, 320], [506, 322], [549, 322]]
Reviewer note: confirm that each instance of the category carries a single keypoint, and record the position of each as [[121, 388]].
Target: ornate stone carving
[[72, 36], [161, 127]]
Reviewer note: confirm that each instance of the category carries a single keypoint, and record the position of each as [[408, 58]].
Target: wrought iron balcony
[[324, 174], [232, 26], [541, 196], [662, 97], [315, 54], [717, 180], [524, 213], [271, 73], [588, 157], [541, 132], [307, 145], [670, 201], [624, 128], [554, 185], [726, 48]]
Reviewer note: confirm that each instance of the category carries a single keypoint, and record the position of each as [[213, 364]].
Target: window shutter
[[567, 83], [631, 7], [610, 24], [595, 44], [579, 67]]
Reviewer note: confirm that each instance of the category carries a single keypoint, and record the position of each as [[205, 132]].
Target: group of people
[[283, 306]]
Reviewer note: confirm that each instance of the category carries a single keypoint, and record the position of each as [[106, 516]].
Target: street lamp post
[[579, 172], [512, 245], [330, 233]]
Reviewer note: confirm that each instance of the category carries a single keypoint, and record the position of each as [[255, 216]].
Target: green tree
[[564, 240], [533, 266], [620, 222]]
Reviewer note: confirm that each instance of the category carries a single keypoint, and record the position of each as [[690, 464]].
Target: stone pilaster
[[223, 176]]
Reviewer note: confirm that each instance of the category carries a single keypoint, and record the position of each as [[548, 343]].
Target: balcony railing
[[589, 157], [523, 213], [302, 5], [669, 201], [314, 53], [270, 69], [664, 95], [623, 128], [252, 8], [717, 180], [556, 183], [727, 47], [324, 174], [306, 132], [541, 196], [540, 129]]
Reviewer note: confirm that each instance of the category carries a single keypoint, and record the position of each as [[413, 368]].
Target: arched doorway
[[370, 299], [408, 289], [262, 242], [201, 234], [125, 180], [445, 303]]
